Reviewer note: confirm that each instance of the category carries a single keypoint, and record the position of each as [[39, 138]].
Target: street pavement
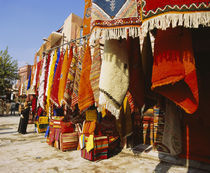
[[30, 153]]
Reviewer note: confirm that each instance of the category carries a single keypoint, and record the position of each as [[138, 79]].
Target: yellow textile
[[90, 143], [91, 115], [124, 123], [92, 127], [63, 77], [51, 75]]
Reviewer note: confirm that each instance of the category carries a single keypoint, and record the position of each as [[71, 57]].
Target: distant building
[[24, 75]]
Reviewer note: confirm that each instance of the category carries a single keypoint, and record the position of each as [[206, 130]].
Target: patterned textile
[[29, 80], [95, 71], [85, 93], [114, 77], [87, 17], [74, 100], [56, 81], [40, 100], [64, 74], [69, 141], [130, 101], [100, 150], [112, 18], [174, 73], [50, 79], [38, 74], [57, 60], [163, 14], [71, 76], [46, 76]]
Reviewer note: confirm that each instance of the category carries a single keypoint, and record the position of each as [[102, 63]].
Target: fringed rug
[[113, 18], [163, 14], [114, 77]]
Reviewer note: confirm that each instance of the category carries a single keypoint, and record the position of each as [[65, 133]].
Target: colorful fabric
[[95, 71], [57, 60], [114, 77], [69, 141], [130, 101], [87, 18], [38, 74], [56, 81], [112, 19], [71, 76], [50, 79], [46, 76], [40, 100], [29, 81], [90, 143], [163, 14], [85, 93], [74, 100], [63, 75], [174, 74]]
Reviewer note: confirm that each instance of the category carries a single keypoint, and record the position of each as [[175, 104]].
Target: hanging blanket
[[163, 14], [95, 71], [114, 77], [56, 81], [50, 79], [85, 94], [136, 81], [174, 74], [77, 77], [71, 76], [87, 17], [40, 101], [64, 74], [112, 19], [46, 76]]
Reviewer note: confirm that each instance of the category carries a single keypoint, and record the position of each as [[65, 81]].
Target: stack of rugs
[[62, 134], [148, 127], [41, 124], [94, 144]]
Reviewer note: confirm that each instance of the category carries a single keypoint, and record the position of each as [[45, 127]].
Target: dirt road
[[30, 153]]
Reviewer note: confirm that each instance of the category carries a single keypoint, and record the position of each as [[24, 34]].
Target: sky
[[24, 24]]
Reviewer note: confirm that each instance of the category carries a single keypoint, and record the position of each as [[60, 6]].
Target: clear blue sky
[[23, 24]]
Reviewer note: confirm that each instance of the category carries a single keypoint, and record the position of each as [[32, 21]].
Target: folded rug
[[85, 92], [174, 74], [95, 71], [114, 77]]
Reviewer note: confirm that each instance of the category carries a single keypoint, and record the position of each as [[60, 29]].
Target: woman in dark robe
[[24, 118]]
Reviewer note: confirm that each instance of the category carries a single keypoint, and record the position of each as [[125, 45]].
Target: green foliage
[[8, 71]]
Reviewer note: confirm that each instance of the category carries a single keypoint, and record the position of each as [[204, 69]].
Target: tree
[[8, 71]]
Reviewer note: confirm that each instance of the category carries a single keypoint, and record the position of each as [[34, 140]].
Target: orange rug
[[174, 73], [85, 94]]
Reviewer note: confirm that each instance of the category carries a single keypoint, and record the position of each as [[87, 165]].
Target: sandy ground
[[31, 153]]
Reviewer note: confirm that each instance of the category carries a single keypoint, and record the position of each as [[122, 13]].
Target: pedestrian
[[24, 117]]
